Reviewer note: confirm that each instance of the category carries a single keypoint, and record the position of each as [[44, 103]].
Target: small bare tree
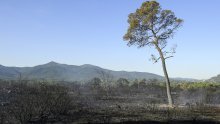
[[106, 78]]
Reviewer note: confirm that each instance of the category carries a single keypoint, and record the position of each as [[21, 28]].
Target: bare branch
[[155, 59], [168, 57]]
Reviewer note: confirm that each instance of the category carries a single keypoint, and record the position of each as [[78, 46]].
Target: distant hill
[[215, 79], [63, 72]]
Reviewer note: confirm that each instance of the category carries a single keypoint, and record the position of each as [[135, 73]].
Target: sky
[[78, 32]]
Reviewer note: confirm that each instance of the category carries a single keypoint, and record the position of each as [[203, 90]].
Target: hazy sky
[[80, 32]]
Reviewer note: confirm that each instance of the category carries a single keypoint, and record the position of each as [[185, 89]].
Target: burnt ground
[[133, 111], [172, 122]]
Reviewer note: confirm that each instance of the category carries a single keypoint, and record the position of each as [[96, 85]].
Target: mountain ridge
[[65, 72], [214, 79]]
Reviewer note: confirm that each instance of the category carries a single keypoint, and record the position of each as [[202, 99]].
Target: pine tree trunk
[[170, 100]]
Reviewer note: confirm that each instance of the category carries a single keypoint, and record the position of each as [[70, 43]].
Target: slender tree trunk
[[170, 100]]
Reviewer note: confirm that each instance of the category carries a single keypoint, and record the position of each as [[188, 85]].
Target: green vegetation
[[197, 85]]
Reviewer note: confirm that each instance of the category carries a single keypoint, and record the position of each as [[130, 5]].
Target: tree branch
[[163, 46], [155, 61], [168, 57]]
